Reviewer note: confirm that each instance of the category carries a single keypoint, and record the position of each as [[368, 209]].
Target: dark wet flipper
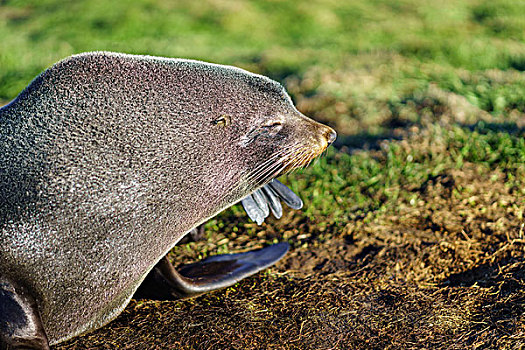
[[20, 323], [286, 194], [166, 283]]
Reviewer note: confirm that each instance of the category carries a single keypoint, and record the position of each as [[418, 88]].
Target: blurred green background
[[434, 40]]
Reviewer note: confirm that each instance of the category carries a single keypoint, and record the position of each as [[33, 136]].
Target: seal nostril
[[331, 136]]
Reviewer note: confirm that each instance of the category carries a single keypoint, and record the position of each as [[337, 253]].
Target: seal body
[[109, 159]]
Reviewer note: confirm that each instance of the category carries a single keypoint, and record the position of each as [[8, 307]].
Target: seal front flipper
[[286, 194], [164, 282], [20, 324], [259, 203]]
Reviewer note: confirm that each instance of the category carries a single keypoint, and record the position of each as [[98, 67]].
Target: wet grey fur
[[109, 159]]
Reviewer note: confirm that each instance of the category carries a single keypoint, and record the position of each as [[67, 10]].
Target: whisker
[[263, 173], [267, 171], [284, 161], [262, 166], [296, 160]]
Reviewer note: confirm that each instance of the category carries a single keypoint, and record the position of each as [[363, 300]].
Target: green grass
[[341, 186], [279, 38]]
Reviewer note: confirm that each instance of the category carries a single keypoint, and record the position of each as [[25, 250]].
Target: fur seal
[[108, 160]]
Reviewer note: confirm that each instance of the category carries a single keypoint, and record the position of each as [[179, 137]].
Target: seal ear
[[20, 324], [215, 272]]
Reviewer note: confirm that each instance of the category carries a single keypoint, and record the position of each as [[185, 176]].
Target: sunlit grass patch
[[278, 38], [341, 186]]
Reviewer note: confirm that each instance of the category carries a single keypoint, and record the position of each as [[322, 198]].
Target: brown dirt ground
[[447, 272]]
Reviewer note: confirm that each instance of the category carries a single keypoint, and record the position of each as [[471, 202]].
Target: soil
[[445, 272]]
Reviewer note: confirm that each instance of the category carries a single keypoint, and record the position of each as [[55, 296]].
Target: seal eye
[[272, 125], [223, 121]]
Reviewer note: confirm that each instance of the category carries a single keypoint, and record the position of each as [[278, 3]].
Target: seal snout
[[330, 135], [326, 136]]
